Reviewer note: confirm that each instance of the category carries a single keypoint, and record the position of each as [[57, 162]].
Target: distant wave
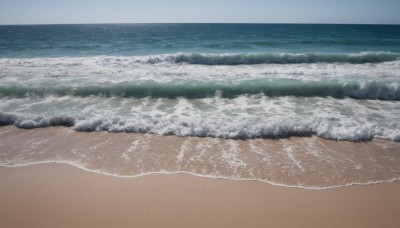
[[381, 90], [211, 59], [268, 58]]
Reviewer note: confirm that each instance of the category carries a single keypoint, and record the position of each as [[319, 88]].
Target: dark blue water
[[145, 39]]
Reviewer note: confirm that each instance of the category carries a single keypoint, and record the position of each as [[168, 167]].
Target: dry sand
[[57, 195]]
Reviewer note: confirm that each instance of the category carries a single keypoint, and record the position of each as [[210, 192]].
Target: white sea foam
[[247, 116], [155, 94], [214, 59], [86, 70]]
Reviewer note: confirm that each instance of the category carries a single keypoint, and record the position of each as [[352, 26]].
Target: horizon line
[[249, 23]]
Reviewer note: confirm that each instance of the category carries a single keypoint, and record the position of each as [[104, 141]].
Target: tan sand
[[56, 195]]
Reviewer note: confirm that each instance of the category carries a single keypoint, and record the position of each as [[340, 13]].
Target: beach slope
[[58, 195]]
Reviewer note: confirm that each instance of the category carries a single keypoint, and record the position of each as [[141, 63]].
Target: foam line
[[213, 59], [79, 166], [324, 128]]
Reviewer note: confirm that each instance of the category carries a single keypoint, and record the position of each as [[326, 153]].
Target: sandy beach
[[57, 177], [57, 195]]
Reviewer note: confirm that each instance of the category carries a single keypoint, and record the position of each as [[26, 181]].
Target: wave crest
[[30, 122], [323, 127], [381, 90], [269, 58], [211, 59]]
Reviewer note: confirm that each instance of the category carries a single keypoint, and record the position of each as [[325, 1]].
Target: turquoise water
[[149, 39], [339, 82]]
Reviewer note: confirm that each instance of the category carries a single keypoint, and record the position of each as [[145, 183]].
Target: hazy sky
[[239, 11]]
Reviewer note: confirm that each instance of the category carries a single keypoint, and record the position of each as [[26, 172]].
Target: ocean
[[215, 81]]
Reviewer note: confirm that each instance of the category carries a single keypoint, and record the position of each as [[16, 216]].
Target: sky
[[200, 11]]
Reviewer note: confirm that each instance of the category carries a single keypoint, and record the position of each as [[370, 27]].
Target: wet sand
[[57, 195], [310, 162]]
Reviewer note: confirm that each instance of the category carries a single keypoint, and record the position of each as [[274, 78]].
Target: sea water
[[339, 82], [222, 81]]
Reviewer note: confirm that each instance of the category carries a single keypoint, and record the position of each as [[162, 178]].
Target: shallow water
[[305, 162]]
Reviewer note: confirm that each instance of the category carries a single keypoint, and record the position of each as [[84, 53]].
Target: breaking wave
[[35, 121], [381, 90], [268, 58], [323, 127], [213, 59]]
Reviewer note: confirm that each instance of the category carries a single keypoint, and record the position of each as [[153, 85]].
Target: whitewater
[[340, 101], [223, 81]]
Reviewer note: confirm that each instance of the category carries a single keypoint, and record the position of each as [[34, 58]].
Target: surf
[[374, 89]]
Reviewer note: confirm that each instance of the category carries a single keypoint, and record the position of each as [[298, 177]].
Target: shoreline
[[162, 173], [309, 163], [59, 195]]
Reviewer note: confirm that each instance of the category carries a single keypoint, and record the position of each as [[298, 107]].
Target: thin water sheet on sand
[[305, 162]]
